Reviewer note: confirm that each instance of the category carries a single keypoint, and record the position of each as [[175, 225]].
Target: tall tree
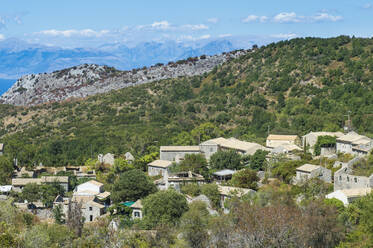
[[131, 186]]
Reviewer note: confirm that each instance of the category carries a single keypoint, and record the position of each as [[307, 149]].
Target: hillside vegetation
[[292, 86]]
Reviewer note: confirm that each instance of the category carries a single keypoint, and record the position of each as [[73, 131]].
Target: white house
[[353, 143], [275, 140], [137, 210], [1, 149], [159, 167], [348, 195], [91, 187]]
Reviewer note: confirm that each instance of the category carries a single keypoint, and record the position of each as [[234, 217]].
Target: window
[[90, 208], [211, 149], [340, 178], [91, 218], [355, 180], [137, 214], [348, 179]]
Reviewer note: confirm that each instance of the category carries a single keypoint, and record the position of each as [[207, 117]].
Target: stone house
[[19, 183], [176, 180], [227, 192], [91, 206], [137, 210], [355, 144], [349, 195], [108, 158], [129, 157], [24, 173], [344, 179], [275, 140], [1, 149], [159, 167], [309, 171], [310, 139], [177, 153]]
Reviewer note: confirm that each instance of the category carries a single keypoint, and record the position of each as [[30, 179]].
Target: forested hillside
[[288, 87]]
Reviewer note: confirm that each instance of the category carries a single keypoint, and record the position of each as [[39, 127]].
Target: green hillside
[[292, 86]]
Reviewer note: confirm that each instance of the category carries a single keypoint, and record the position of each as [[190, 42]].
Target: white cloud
[[287, 17], [161, 25], [74, 32], [284, 36], [204, 37], [225, 35], [326, 17], [195, 27], [213, 20], [2, 37], [255, 18], [368, 6]]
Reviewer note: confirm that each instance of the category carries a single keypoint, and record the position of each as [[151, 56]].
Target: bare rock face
[[85, 80]]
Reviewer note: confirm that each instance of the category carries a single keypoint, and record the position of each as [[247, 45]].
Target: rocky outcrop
[[85, 80]]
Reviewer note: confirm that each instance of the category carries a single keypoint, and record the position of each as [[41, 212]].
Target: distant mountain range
[[20, 58]]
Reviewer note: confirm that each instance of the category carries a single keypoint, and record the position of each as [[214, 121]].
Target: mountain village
[[95, 201]]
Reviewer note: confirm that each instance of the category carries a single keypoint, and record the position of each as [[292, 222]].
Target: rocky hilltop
[[85, 80]]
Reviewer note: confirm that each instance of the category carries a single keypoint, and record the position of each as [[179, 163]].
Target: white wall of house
[[155, 171], [339, 195], [91, 212], [344, 147], [175, 155], [88, 186]]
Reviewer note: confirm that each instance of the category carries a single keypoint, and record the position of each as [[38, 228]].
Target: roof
[[51, 179], [103, 195], [161, 163], [225, 172], [83, 199], [180, 148], [94, 182], [282, 137], [356, 192], [128, 203], [129, 156], [322, 133], [355, 138], [24, 181], [235, 144], [5, 188], [137, 204], [95, 204], [1, 146], [227, 190], [308, 167]]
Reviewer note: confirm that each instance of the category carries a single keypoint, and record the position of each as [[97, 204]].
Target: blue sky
[[82, 23]]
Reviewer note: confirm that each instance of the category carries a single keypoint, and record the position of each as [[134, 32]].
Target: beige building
[[1, 149], [275, 140], [176, 180]]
